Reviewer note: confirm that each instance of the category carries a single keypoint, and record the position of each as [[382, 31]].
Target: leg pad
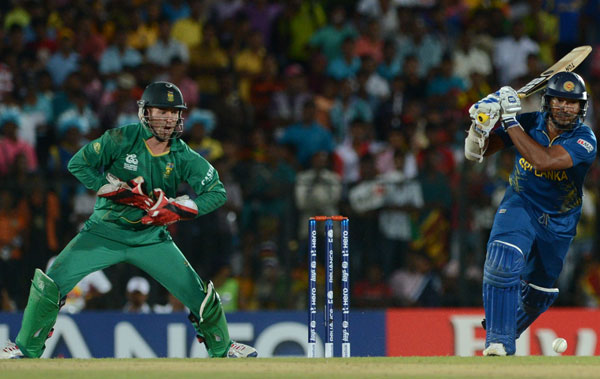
[[39, 316], [534, 301], [501, 279], [211, 325]]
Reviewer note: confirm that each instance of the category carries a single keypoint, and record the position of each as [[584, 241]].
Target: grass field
[[405, 367]]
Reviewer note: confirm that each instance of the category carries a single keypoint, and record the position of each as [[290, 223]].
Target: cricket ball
[[559, 345]]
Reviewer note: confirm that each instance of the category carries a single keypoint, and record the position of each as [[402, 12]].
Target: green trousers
[[89, 252]]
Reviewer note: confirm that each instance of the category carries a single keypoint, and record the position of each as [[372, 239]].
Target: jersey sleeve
[[86, 163], [204, 180], [581, 146]]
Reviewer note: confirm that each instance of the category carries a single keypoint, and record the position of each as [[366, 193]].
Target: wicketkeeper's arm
[[204, 180], [86, 163]]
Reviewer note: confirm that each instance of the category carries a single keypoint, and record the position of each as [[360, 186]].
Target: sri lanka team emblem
[[168, 169], [569, 86], [170, 97]]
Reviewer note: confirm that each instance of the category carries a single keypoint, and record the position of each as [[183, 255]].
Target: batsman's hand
[[167, 211], [128, 193], [485, 114], [509, 101]]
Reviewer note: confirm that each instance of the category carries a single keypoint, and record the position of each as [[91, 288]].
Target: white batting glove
[[511, 105], [485, 114], [509, 101]]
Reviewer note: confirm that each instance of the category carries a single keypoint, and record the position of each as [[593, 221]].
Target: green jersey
[[123, 152]]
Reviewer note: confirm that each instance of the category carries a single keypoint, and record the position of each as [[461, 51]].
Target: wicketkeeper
[[129, 225], [538, 216]]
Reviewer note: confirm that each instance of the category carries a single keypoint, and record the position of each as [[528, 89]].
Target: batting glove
[[485, 114], [128, 193], [167, 211], [509, 101]]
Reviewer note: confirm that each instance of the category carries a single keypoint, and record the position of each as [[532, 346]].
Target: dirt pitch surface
[[405, 367]]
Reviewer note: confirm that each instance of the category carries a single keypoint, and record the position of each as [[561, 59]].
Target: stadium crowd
[[305, 108]]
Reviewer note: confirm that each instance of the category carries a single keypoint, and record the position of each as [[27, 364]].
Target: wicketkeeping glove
[[129, 193], [167, 211]]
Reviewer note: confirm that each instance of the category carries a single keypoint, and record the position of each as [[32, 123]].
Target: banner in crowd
[[395, 332]]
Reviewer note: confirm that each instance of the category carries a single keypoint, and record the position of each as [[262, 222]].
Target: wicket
[[312, 285]]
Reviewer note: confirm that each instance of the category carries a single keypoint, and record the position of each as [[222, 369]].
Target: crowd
[[304, 108]]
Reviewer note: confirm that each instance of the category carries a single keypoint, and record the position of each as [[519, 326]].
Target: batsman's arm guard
[[210, 323], [39, 316]]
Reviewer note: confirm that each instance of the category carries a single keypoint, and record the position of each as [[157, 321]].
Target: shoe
[[11, 351], [239, 350], [495, 349]]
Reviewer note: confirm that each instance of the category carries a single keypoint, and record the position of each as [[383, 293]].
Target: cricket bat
[[567, 63]]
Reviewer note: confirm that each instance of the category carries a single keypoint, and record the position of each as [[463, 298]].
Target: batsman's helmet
[[161, 95], [566, 85]]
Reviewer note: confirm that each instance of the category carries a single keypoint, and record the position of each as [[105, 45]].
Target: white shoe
[[11, 351], [239, 350], [495, 349]]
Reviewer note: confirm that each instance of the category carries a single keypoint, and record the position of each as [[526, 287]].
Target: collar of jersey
[[542, 126]]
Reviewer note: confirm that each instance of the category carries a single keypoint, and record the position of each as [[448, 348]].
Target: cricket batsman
[[537, 219], [128, 225]]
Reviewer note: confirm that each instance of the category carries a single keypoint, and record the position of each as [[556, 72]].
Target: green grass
[[405, 367]]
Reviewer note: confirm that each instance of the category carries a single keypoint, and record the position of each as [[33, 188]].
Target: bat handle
[[482, 118]]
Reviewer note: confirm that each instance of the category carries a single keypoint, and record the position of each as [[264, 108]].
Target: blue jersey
[[555, 191]]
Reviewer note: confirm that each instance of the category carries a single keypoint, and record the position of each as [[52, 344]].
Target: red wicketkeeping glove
[[166, 211], [128, 193]]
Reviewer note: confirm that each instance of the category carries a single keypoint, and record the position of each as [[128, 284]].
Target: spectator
[[198, 127], [166, 48], [173, 305], [307, 136], [345, 65], [188, 30], [372, 291], [287, 105], [248, 63], [11, 145], [329, 38], [416, 284], [65, 60], [370, 43], [511, 52], [138, 289], [208, 61], [318, 191], [262, 15], [118, 56]]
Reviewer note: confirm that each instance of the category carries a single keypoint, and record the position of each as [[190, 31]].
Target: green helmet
[[161, 95]]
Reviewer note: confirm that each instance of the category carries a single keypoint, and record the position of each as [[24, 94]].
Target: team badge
[[170, 97], [168, 169], [569, 86], [97, 147]]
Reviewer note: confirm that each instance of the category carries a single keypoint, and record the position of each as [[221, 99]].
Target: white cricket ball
[[559, 345]]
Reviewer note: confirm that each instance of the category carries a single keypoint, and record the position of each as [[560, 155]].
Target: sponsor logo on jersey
[[209, 175], [168, 169], [131, 162], [554, 175], [97, 147], [586, 145]]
